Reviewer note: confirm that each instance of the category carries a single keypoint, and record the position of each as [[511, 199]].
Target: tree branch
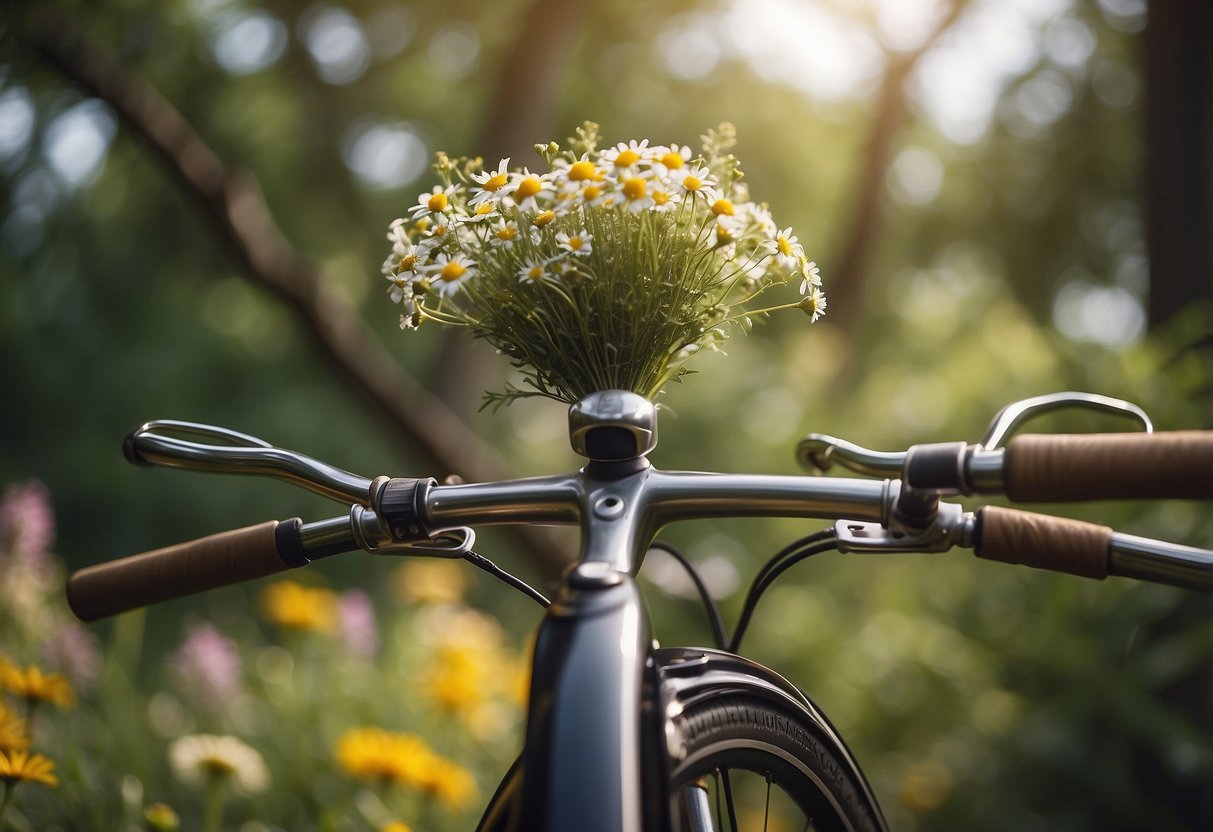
[[233, 200], [849, 274]]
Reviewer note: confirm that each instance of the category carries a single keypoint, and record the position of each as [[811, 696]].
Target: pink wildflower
[[208, 667]]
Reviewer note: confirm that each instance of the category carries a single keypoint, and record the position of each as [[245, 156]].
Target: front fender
[[688, 675]]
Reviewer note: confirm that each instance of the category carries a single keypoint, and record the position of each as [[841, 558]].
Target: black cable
[[715, 619], [497, 572], [788, 557]]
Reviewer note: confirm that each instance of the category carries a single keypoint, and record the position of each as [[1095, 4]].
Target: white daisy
[[492, 184], [198, 758], [812, 277], [504, 234], [814, 304], [634, 190], [671, 158], [526, 189], [696, 181], [580, 244], [787, 250], [434, 203], [573, 176], [624, 158], [533, 272], [449, 271]]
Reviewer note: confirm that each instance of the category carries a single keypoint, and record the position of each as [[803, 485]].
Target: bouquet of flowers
[[609, 270]]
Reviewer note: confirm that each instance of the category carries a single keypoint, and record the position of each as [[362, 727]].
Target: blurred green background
[[975, 182]]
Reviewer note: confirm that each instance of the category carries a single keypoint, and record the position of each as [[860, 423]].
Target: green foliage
[[974, 695]]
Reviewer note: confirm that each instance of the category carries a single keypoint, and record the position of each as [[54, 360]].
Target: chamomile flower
[[483, 212], [624, 158], [534, 271], [631, 205], [198, 758], [541, 225], [812, 278], [528, 189], [580, 243], [449, 271], [814, 304], [594, 194], [435, 203], [695, 181], [663, 200], [504, 234], [492, 184], [400, 287], [672, 158], [786, 249], [635, 191], [574, 175]]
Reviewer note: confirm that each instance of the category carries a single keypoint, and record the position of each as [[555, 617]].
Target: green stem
[[213, 813], [9, 789]]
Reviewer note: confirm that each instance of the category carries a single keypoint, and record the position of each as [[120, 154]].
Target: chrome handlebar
[[818, 452], [150, 444]]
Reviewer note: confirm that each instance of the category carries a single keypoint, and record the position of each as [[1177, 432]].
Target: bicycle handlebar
[[184, 569], [621, 509]]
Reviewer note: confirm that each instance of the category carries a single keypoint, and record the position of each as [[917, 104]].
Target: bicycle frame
[[595, 679]]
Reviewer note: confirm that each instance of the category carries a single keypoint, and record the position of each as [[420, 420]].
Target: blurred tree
[[1010, 259]]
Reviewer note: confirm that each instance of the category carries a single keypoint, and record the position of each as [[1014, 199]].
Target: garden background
[[1005, 197]]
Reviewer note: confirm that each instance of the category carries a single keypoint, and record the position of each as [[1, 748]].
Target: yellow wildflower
[[161, 817], [373, 754], [457, 677], [36, 686], [12, 731], [397, 826], [23, 767], [293, 606], [451, 783], [430, 581]]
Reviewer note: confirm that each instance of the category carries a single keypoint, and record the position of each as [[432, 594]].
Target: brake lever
[[151, 444]]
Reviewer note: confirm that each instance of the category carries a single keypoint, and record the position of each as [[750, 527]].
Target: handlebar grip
[[1173, 465], [186, 568], [1041, 541]]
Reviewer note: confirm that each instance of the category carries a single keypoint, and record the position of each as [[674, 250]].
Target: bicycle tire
[[737, 732]]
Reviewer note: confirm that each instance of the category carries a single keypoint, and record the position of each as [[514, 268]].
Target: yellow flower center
[[535, 273], [581, 171], [485, 208], [692, 183], [672, 160], [783, 246], [452, 271], [544, 218], [661, 197], [407, 262], [722, 206], [437, 202], [591, 192], [528, 187], [626, 158], [497, 182], [575, 243], [723, 235], [635, 188], [507, 233]]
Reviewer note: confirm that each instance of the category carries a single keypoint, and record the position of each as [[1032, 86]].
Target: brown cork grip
[[209, 562], [1045, 542], [1111, 466]]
